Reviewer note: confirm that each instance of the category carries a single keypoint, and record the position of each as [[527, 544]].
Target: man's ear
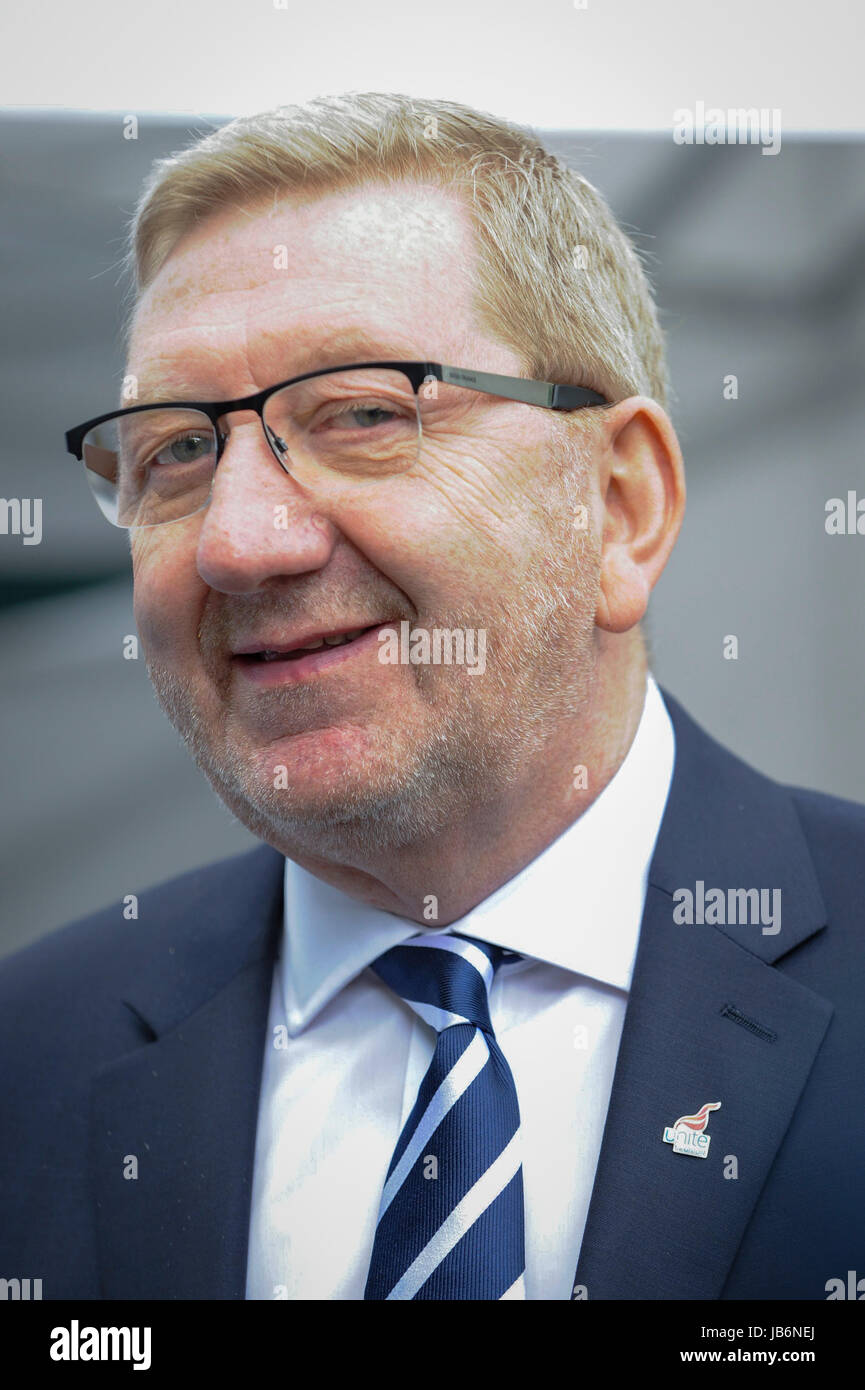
[[642, 488]]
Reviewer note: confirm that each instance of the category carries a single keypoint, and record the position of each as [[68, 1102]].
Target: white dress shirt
[[345, 1055]]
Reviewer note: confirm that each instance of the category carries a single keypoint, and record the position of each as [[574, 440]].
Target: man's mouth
[[305, 656], [294, 653]]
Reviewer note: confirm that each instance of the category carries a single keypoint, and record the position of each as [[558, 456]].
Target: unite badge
[[687, 1134]]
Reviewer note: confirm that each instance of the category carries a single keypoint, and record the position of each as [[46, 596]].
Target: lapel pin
[[686, 1135]]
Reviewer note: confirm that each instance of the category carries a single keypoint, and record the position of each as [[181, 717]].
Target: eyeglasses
[[151, 464]]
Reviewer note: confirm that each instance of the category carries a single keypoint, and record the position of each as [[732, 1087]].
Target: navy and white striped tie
[[451, 1219]]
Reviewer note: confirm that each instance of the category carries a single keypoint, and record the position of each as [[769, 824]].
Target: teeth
[[315, 646]]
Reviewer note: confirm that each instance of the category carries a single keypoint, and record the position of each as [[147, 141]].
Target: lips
[[269, 663], [288, 651]]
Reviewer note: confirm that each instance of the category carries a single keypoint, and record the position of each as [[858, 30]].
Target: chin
[[342, 816]]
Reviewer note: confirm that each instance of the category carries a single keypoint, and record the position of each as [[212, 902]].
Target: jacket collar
[[201, 932], [728, 826]]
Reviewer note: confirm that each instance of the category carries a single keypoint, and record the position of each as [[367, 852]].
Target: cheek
[[167, 594], [438, 556], [458, 505], [492, 522]]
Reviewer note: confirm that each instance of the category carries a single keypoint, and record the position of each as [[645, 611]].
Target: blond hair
[[559, 282]]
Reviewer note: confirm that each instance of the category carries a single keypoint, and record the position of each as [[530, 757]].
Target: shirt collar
[[577, 905]]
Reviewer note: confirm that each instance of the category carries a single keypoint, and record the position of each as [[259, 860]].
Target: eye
[[362, 415], [370, 414], [189, 447]]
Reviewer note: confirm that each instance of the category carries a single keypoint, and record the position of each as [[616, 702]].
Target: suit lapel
[[708, 1019], [184, 1105]]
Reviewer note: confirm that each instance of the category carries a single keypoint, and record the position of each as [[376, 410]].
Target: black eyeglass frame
[[547, 394]]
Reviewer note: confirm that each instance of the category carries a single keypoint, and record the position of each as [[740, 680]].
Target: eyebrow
[[177, 390], [342, 348]]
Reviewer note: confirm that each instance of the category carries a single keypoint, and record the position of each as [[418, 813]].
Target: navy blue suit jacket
[[146, 1038]]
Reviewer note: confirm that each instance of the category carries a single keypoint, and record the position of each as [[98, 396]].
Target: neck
[[438, 881]]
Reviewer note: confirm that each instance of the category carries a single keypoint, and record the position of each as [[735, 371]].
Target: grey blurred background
[[759, 269]]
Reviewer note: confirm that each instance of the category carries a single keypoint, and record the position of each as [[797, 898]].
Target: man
[[522, 941]]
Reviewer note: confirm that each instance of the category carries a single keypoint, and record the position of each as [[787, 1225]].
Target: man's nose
[[259, 522]]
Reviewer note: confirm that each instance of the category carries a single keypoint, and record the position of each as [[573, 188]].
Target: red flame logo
[[698, 1122]]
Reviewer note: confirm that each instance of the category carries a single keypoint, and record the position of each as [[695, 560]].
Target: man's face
[[340, 753]]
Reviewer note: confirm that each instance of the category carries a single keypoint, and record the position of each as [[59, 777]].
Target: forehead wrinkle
[[268, 351], [167, 374], [311, 347], [344, 300]]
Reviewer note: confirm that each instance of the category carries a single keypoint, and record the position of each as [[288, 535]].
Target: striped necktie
[[451, 1222]]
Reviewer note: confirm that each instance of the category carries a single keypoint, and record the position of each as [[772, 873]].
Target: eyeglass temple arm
[[515, 388]]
